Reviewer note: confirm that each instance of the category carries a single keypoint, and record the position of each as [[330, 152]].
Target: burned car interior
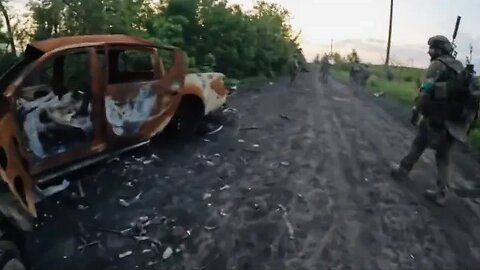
[[53, 105]]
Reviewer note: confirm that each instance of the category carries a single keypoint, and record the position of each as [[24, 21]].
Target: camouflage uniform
[[324, 68], [293, 69], [434, 130]]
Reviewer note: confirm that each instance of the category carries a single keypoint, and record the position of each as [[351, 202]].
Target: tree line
[[216, 35]]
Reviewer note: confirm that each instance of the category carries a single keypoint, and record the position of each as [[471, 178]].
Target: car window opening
[[54, 106]]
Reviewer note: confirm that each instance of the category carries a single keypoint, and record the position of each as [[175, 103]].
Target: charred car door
[[55, 101], [16, 198], [141, 96]]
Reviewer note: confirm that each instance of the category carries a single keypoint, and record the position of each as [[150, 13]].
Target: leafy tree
[[353, 57], [216, 35]]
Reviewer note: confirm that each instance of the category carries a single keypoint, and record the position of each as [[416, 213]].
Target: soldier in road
[[325, 68], [436, 130], [293, 69]]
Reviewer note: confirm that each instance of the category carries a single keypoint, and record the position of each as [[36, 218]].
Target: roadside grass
[[399, 83]]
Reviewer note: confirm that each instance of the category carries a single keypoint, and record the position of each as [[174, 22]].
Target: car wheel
[[187, 120], [188, 124]]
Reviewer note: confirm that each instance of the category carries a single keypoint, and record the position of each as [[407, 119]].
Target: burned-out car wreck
[[71, 100]]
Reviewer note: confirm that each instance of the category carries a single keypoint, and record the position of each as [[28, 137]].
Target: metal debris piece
[[209, 229], [125, 203], [285, 117], [129, 184], [80, 189], [287, 222], [230, 110], [124, 232], [209, 204], [151, 263], [217, 155], [241, 140], [125, 254], [255, 145], [284, 163], [81, 248], [216, 130], [155, 157], [143, 219], [41, 194], [82, 207], [167, 253], [207, 195], [366, 179], [224, 187], [210, 163], [189, 233], [222, 213], [178, 250], [300, 195], [141, 238], [206, 140], [146, 250], [146, 162]]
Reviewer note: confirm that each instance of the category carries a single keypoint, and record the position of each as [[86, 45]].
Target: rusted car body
[[72, 99]]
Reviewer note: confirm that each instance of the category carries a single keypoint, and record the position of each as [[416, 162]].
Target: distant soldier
[[445, 104], [359, 75], [293, 69], [325, 68]]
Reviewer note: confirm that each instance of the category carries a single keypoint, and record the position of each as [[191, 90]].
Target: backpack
[[461, 103]]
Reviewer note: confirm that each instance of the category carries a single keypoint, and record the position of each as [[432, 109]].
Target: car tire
[[186, 122]]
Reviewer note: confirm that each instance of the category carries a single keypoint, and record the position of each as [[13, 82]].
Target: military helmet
[[440, 42]]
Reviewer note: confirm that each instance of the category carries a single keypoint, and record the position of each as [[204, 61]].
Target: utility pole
[[387, 59], [331, 49]]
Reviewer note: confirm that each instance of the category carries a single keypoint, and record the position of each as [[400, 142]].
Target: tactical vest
[[448, 98]]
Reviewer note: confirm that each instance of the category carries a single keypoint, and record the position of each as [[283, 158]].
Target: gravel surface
[[301, 181]]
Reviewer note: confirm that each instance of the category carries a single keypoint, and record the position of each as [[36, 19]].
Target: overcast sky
[[363, 25]]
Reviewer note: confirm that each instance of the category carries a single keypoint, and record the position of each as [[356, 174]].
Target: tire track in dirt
[[314, 163], [376, 126]]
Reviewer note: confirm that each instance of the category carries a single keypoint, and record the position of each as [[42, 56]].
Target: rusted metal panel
[[97, 124], [121, 113], [55, 43], [14, 172], [142, 109], [209, 86]]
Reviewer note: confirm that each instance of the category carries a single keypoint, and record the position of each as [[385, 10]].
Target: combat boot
[[398, 172], [437, 196]]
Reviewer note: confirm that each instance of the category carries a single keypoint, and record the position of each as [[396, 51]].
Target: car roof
[[48, 45]]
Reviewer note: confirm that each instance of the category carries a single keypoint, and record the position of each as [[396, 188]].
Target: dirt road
[[302, 182]]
